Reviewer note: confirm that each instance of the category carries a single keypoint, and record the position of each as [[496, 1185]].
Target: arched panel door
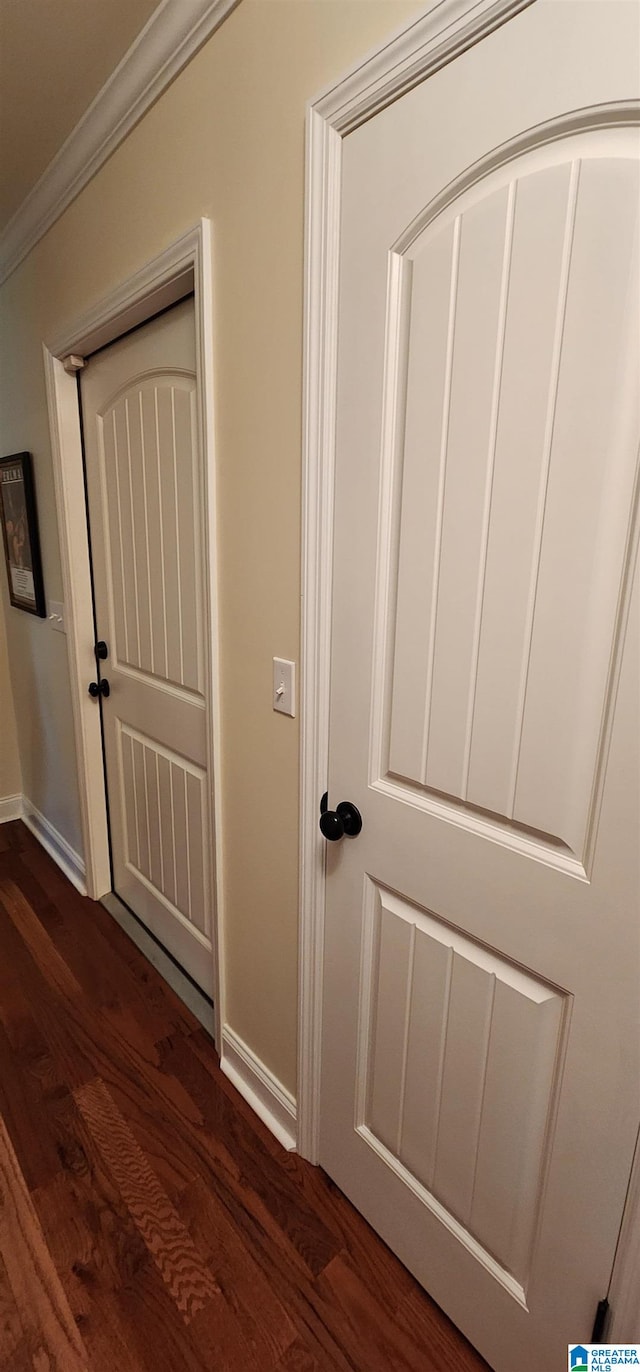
[[144, 482], [480, 1056]]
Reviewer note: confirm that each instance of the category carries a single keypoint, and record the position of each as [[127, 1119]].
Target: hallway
[[147, 1218]]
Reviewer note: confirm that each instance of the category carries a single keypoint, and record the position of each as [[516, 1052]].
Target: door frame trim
[[441, 33], [184, 266]]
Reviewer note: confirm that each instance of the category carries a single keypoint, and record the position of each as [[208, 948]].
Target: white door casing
[[144, 483], [487, 278]]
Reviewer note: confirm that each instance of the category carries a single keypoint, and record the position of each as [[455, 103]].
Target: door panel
[[144, 484], [459, 1052], [505, 558], [146, 437], [482, 947]]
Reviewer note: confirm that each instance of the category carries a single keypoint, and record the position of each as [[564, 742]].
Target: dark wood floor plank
[[247, 1288], [14, 835], [259, 1170], [385, 1276], [92, 1300], [167, 1239], [59, 1021], [11, 1328], [87, 1225], [376, 1337], [111, 969], [225, 1339], [83, 1040], [31, 1127], [44, 952], [448, 1349], [175, 1230], [297, 1358], [16, 1003], [156, 1334], [94, 1244], [213, 1153], [221, 1211], [50, 1330]]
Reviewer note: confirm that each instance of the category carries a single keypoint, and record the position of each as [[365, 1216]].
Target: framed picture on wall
[[19, 520]]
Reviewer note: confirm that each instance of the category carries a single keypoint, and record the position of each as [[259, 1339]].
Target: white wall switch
[[284, 686], [56, 615]]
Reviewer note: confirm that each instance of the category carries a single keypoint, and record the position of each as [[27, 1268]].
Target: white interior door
[[144, 483], [481, 1073]]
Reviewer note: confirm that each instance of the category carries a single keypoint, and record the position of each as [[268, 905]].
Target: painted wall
[[37, 654], [10, 778], [227, 141]]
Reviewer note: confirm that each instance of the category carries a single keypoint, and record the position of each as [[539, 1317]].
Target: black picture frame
[[19, 519]]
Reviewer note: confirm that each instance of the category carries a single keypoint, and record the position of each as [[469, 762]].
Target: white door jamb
[[446, 29], [184, 267]]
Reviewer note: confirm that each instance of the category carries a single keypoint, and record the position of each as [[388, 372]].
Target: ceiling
[[55, 55]]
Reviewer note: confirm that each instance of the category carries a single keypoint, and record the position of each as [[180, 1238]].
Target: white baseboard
[[275, 1105], [56, 845], [10, 808]]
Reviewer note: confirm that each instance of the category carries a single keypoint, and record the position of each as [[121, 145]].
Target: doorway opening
[[167, 789]]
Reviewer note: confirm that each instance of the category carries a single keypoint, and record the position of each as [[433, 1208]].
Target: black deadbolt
[[99, 688]]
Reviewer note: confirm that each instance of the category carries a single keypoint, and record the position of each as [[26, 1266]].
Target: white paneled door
[[481, 1066], [144, 482]]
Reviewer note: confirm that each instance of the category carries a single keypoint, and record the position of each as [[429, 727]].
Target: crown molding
[[445, 29], [171, 37]]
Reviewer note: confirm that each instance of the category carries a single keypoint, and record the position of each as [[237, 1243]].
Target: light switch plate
[[56, 616], [284, 686]]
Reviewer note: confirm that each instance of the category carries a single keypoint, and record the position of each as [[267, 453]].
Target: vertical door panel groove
[[145, 503], [405, 1036], [442, 482], [177, 530], [161, 532], [544, 476], [491, 461], [134, 539], [116, 468]]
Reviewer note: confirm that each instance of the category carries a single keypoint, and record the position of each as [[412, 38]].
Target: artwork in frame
[[19, 520]]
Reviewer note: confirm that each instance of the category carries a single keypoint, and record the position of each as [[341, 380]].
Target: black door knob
[[102, 650], [99, 688], [345, 819]]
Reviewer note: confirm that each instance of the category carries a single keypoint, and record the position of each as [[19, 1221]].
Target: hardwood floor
[[147, 1218]]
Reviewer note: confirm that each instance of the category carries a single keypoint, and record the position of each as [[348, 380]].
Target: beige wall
[[10, 779], [227, 141], [37, 654]]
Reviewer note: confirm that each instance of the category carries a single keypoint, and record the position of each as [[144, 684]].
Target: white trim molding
[[168, 41], [185, 266], [10, 808], [66, 857], [274, 1105], [447, 28]]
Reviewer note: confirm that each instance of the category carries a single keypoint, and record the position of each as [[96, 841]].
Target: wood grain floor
[[147, 1219]]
